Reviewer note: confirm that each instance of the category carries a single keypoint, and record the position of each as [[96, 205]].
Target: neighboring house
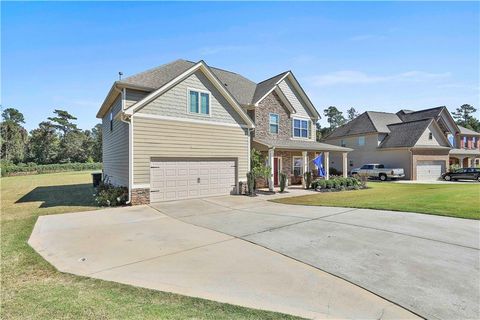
[[423, 142], [185, 130], [467, 148]]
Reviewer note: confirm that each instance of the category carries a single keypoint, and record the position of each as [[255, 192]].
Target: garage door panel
[[429, 170], [173, 180]]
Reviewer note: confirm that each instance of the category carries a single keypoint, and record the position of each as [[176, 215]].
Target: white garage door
[[183, 179], [430, 170]]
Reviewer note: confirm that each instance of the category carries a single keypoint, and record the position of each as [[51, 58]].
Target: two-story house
[[466, 151], [422, 142], [186, 130]]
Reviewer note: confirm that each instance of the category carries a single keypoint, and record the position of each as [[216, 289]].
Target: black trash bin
[[96, 178]]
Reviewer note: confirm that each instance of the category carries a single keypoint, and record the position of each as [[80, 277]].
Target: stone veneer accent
[[140, 196], [272, 104]]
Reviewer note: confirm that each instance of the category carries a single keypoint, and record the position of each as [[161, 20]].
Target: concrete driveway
[[315, 262], [427, 264]]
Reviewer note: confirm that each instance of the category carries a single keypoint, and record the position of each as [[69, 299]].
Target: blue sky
[[372, 56]]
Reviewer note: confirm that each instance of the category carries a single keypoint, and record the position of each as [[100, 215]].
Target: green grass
[[32, 289], [453, 200]]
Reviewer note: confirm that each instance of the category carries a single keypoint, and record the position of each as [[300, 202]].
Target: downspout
[[130, 146]]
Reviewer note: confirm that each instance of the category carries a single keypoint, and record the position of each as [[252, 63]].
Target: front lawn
[[32, 289], [453, 200]]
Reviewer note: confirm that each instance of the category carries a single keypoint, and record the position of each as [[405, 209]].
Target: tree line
[[56, 140], [463, 116]]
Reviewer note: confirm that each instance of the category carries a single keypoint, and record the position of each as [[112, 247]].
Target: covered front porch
[[295, 157], [464, 158]]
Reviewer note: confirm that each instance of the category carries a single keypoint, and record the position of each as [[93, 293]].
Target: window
[[199, 102], [274, 120], [361, 140], [342, 143], [111, 121], [301, 128], [297, 166], [430, 136], [367, 167]]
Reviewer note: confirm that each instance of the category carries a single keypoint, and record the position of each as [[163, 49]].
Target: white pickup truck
[[375, 170]]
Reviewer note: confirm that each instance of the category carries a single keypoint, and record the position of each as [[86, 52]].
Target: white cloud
[[358, 77]]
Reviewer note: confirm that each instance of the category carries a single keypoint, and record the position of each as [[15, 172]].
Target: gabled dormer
[[281, 110]]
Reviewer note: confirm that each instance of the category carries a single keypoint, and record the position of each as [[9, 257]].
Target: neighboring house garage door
[[430, 170], [183, 179]]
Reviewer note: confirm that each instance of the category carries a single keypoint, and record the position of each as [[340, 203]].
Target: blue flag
[[318, 161]]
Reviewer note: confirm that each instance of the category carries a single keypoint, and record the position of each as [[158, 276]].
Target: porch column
[[305, 167], [327, 165], [470, 162], [345, 164], [460, 161], [270, 164]]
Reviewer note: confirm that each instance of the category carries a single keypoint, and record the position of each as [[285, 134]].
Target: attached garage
[[429, 170], [175, 179]]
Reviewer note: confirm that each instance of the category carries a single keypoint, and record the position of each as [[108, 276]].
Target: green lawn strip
[[32, 289], [453, 200]]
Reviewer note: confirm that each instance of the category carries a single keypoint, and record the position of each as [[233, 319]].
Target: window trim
[[270, 122], [199, 91], [293, 165], [309, 128]]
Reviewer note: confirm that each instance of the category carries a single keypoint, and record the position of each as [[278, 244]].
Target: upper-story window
[[474, 142], [199, 102], [342, 143], [430, 136], [464, 140], [361, 140], [274, 121], [301, 128], [111, 121]]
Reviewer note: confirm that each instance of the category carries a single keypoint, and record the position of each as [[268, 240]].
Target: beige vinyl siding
[[294, 98], [155, 138], [174, 102], [133, 96], [115, 147], [437, 140]]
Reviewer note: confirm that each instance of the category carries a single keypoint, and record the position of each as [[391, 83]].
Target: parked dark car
[[463, 174]]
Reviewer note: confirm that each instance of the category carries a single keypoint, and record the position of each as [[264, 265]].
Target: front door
[[276, 170]]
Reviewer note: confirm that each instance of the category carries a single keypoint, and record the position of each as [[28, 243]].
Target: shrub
[[283, 181], [328, 184], [251, 183], [9, 169], [111, 196]]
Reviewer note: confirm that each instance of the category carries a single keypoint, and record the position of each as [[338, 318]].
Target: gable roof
[[203, 67], [381, 120], [243, 90], [467, 131], [266, 86], [405, 134], [407, 115], [367, 122]]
